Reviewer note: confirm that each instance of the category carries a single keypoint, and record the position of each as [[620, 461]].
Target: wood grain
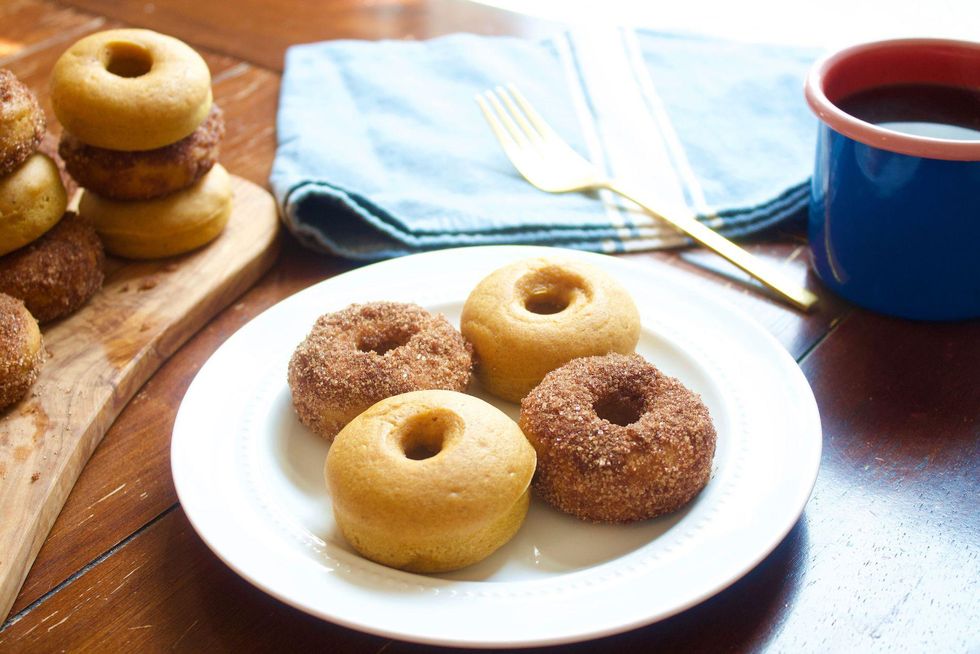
[[134, 456], [100, 356], [165, 591], [259, 31], [893, 528], [101, 513], [29, 25], [885, 556]]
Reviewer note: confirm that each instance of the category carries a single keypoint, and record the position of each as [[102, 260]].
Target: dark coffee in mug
[[930, 110]]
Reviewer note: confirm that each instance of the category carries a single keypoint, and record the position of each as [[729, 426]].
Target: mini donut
[[21, 351], [58, 273], [617, 440], [21, 122], [527, 318], [162, 227], [429, 481], [32, 201], [367, 352], [147, 174], [130, 89]]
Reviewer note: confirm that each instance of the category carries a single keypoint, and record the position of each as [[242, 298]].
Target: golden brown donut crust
[[166, 226], [32, 201], [617, 440], [58, 273], [365, 353], [430, 481], [21, 351], [146, 174], [130, 89], [22, 122], [531, 316]]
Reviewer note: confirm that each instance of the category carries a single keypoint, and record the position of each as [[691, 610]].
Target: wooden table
[[885, 557]]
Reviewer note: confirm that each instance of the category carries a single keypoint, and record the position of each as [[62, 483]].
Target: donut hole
[[425, 435], [550, 290], [382, 342], [546, 303], [125, 59], [622, 410]]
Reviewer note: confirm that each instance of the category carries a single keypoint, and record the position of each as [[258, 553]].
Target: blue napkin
[[382, 150]]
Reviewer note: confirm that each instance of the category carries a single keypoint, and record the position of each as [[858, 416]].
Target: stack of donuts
[[427, 478], [142, 136], [50, 260]]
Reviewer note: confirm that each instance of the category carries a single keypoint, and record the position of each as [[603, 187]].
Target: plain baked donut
[[617, 440], [162, 227], [145, 174], [527, 318], [429, 481], [21, 351], [32, 201], [58, 273], [367, 352], [21, 122], [130, 89]]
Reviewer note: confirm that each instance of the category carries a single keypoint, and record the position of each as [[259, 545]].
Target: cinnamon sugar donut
[[21, 351], [356, 357], [617, 440], [58, 273], [145, 174], [529, 317], [21, 122]]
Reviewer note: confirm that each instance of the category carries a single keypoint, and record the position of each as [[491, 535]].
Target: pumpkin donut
[[530, 317], [21, 122], [430, 481], [162, 227], [32, 201], [130, 89]]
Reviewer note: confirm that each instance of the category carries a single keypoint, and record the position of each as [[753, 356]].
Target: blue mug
[[894, 222]]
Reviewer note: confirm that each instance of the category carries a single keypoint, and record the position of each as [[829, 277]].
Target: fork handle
[[796, 295]]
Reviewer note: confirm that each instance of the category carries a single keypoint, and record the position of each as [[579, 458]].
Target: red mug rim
[[862, 66]]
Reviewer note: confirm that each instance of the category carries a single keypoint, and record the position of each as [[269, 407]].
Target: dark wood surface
[[884, 558]]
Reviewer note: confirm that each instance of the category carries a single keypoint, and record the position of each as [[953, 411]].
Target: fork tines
[[511, 116]]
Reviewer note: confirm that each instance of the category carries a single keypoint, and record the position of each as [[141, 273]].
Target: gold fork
[[550, 164]]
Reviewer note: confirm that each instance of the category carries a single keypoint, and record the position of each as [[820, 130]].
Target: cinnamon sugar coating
[[22, 122], [21, 353], [145, 174], [617, 440], [56, 274], [365, 353]]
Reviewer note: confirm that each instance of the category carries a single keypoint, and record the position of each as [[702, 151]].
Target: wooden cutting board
[[100, 357]]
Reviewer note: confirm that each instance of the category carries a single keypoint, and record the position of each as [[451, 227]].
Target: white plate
[[250, 477]]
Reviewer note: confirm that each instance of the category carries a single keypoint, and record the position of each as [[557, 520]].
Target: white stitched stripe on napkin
[[628, 137]]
